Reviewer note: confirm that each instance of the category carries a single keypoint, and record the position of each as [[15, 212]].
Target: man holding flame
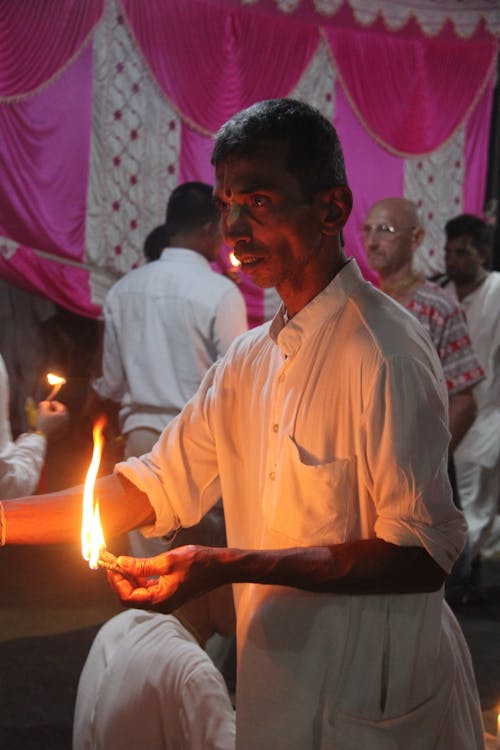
[[326, 434]]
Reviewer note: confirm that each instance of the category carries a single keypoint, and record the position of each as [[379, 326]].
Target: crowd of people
[[352, 441]]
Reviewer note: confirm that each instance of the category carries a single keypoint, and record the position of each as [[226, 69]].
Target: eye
[[221, 205], [259, 200]]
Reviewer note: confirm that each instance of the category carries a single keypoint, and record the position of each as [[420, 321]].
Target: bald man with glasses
[[391, 234]]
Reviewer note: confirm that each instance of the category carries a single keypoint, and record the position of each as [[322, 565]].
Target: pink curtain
[[411, 94], [39, 39], [44, 161], [211, 62]]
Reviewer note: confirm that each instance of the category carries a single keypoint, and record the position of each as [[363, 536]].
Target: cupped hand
[[169, 579]]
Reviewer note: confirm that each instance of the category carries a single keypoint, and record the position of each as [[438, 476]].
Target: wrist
[[39, 432]]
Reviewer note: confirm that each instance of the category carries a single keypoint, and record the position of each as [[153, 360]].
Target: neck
[[297, 292], [194, 619], [401, 282], [463, 289]]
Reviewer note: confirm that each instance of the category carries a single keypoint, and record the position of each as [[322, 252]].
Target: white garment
[[330, 429], [21, 460], [165, 324], [148, 685], [477, 458]]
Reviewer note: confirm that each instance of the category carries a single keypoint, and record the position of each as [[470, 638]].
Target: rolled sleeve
[[406, 439]]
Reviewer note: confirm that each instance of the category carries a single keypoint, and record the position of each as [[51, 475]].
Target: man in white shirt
[[326, 433], [477, 459], [166, 323]]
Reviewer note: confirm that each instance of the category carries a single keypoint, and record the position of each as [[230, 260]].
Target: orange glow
[[93, 542], [57, 381], [234, 260]]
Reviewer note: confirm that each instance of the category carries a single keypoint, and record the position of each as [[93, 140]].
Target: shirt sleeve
[[112, 383], [180, 475], [20, 466], [405, 437], [230, 319]]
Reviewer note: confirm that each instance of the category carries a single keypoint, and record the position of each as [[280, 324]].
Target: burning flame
[[57, 381], [92, 537], [234, 260]]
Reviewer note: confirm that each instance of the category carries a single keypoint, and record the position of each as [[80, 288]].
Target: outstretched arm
[[370, 566], [57, 517]]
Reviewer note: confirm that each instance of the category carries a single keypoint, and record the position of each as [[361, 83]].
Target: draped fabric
[[39, 40], [218, 62], [118, 100], [411, 94]]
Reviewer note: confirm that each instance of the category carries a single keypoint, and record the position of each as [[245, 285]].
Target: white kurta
[[21, 460], [148, 685], [331, 429], [477, 458]]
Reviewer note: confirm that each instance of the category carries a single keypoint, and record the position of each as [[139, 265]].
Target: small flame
[[53, 379], [234, 260], [57, 381], [92, 536]]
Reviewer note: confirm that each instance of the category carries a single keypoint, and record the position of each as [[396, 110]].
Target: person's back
[[171, 320]]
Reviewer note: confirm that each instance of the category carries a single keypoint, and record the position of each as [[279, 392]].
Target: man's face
[[388, 237], [274, 232], [463, 260]]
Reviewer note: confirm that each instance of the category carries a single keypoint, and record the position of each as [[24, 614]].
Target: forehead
[[463, 241], [385, 213], [265, 168]]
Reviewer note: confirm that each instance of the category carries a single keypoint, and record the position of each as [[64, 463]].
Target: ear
[[335, 206], [417, 237]]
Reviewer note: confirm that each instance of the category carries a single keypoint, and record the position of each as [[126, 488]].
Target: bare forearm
[[363, 567], [57, 517]]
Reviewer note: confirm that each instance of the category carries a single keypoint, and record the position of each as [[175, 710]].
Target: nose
[[370, 237], [235, 225]]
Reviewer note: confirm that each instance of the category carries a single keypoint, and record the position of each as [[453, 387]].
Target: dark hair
[[478, 230], [314, 152], [156, 241], [189, 207]]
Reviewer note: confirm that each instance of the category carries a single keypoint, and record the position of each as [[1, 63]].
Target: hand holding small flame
[[169, 579]]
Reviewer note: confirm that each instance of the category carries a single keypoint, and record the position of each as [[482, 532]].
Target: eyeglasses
[[385, 231]]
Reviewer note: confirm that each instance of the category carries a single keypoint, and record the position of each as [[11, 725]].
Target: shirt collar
[[325, 306], [183, 253]]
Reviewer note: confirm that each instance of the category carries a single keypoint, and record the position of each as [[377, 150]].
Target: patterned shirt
[[443, 318]]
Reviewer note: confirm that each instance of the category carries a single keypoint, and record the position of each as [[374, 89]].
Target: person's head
[[156, 241], [467, 248], [282, 187], [391, 233], [193, 219]]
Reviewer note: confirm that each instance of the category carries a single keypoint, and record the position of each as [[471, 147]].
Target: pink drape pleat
[[44, 162], [39, 39], [211, 62], [411, 94]]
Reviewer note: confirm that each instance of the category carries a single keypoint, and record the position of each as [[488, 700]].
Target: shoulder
[[434, 297]]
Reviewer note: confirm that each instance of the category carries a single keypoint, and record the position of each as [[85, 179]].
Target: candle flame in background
[[234, 260], [92, 536], [57, 381]]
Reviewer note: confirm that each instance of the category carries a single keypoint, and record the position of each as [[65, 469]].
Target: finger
[[144, 567]]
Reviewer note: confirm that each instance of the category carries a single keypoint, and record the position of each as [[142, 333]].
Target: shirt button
[[275, 428], [272, 476]]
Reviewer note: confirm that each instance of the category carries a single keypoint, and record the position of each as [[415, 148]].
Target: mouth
[[249, 261]]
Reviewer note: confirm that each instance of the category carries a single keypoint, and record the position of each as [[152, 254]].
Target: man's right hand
[[52, 418]]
